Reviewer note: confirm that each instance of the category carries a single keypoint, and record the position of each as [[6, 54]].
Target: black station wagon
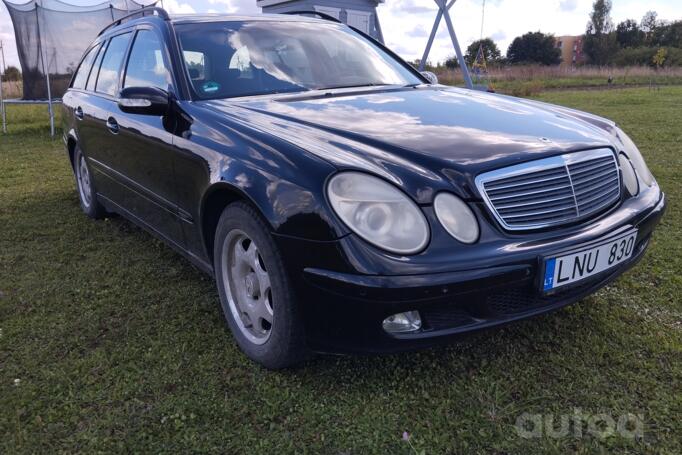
[[343, 201]]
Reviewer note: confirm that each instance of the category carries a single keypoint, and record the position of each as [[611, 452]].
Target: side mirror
[[144, 100], [431, 77]]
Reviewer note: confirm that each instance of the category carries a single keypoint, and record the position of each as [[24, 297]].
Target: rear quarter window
[[81, 78], [92, 78]]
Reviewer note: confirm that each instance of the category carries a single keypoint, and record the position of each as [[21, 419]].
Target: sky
[[407, 23]]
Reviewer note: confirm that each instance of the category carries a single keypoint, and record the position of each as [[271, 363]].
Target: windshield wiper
[[334, 87]]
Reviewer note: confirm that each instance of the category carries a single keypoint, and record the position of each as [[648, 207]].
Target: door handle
[[78, 113], [112, 125]]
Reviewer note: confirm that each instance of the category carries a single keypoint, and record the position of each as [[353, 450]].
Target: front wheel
[[255, 293]]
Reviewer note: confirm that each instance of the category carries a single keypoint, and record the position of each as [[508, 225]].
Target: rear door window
[[107, 81], [84, 70]]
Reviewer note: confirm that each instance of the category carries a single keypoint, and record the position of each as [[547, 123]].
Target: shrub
[[529, 88], [644, 56], [12, 73], [634, 56]]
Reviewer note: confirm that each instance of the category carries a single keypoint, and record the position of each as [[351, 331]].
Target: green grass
[[119, 345], [530, 80], [582, 82]]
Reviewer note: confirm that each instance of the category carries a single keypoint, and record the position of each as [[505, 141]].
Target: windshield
[[230, 59]]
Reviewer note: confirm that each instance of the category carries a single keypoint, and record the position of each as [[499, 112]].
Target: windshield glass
[[230, 59]]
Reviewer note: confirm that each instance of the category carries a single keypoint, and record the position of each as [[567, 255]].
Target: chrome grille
[[552, 191]]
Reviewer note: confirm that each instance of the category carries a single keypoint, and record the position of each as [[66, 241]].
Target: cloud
[[499, 35], [568, 5], [175, 7], [236, 6], [410, 7], [418, 31]]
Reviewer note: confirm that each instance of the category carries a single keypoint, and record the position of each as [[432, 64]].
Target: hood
[[445, 135]]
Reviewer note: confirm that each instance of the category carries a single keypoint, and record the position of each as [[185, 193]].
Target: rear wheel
[[255, 293], [86, 190]]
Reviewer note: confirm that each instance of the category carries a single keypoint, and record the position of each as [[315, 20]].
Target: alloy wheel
[[84, 187], [247, 286]]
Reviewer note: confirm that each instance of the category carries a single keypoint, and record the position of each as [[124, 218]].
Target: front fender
[[290, 208], [284, 182]]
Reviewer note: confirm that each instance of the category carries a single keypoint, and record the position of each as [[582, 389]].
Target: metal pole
[[380, 33], [482, 19], [47, 74], [2, 98], [2, 51], [2, 108], [432, 36], [458, 50]]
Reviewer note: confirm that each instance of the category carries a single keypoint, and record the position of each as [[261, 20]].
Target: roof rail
[[140, 12], [325, 16]]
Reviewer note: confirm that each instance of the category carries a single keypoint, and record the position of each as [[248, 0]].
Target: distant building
[[361, 14], [571, 49]]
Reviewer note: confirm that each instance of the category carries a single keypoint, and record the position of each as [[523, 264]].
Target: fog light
[[403, 322]]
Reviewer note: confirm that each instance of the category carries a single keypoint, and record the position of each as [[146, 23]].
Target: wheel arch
[[71, 142], [215, 200]]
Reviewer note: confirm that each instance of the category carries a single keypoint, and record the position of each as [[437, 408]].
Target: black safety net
[[52, 35]]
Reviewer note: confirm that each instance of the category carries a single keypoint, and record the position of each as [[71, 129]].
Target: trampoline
[[51, 36]]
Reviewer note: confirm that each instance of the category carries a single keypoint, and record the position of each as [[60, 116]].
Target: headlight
[[629, 176], [632, 152], [378, 212], [456, 217]]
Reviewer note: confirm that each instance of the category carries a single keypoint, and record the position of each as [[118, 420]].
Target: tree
[[628, 34], [12, 73], [668, 34], [534, 47], [649, 25], [451, 62], [660, 57], [491, 52], [600, 43], [649, 22]]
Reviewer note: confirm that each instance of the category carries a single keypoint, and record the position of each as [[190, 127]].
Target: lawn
[[110, 341], [525, 80]]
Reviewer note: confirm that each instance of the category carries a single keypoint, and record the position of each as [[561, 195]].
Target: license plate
[[586, 262]]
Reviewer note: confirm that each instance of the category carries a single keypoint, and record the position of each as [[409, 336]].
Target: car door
[[143, 155], [84, 106], [98, 139], [76, 96]]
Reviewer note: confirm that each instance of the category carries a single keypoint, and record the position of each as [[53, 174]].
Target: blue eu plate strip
[[549, 274]]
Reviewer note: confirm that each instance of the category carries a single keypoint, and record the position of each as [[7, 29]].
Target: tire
[[87, 196], [255, 292]]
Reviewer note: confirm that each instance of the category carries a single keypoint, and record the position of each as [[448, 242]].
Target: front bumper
[[343, 311]]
